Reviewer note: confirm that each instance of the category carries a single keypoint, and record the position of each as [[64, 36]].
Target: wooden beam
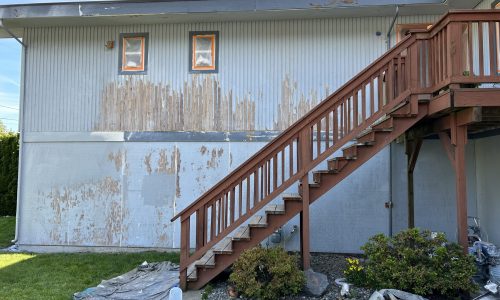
[[476, 97], [463, 117], [448, 148], [440, 103]]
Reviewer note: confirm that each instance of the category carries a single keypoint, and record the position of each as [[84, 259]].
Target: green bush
[[267, 274], [9, 152], [413, 261]]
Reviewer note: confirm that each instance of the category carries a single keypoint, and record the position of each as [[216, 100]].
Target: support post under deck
[[412, 150], [461, 184], [454, 146]]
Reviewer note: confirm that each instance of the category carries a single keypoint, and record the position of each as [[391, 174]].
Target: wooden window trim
[[214, 36], [141, 69]]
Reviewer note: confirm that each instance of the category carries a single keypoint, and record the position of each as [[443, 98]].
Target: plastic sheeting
[[148, 281]]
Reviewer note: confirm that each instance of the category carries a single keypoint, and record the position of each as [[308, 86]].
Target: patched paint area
[[118, 194], [86, 213]]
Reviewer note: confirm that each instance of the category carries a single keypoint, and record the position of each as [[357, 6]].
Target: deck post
[[412, 150], [459, 134], [305, 159], [454, 146]]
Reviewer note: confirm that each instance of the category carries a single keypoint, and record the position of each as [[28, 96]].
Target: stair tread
[[324, 172], [275, 209], [258, 221], [207, 260], [355, 145], [339, 158], [225, 246], [291, 196], [242, 233], [192, 273], [381, 120], [400, 105]]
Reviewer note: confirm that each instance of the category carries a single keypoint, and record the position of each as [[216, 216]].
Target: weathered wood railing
[[422, 63]]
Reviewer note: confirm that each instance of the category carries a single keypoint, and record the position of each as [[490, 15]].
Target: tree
[[3, 128]]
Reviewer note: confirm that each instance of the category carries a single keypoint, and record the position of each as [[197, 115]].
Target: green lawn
[[59, 276], [7, 228]]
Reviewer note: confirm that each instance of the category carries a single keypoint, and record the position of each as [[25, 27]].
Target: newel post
[[184, 253], [306, 143]]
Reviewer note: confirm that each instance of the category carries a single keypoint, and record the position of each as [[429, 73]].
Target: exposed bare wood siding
[[270, 73]]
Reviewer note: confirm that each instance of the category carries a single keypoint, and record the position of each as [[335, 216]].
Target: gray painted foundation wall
[[121, 195], [434, 180]]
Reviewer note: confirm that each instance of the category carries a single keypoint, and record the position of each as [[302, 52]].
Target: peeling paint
[[203, 150], [201, 105], [292, 106], [118, 158], [147, 163], [104, 195], [214, 160], [139, 105]]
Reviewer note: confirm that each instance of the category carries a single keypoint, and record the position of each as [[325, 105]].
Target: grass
[[7, 228], [59, 276]]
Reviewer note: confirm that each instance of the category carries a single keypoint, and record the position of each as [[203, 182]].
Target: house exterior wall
[[434, 188], [270, 73], [488, 200], [485, 4], [109, 159]]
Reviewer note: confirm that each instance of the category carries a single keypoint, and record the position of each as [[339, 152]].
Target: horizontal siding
[[264, 65]]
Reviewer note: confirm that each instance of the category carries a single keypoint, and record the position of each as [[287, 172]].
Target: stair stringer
[[401, 125], [257, 235]]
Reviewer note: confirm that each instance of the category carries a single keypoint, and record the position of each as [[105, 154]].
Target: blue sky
[[10, 74]]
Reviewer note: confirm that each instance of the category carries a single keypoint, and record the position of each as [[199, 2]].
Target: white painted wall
[[434, 188], [488, 186]]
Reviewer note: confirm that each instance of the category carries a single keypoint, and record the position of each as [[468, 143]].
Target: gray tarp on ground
[[148, 281]]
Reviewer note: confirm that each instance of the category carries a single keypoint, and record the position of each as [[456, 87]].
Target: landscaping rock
[[316, 283]]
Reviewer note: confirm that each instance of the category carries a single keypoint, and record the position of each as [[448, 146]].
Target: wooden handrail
[[287, 134], [423, 62]]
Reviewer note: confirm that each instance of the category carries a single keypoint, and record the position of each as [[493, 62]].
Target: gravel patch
[[332, 265]]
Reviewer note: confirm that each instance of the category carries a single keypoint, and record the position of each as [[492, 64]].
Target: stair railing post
[[305, 160], [200, 228], [184, 253]]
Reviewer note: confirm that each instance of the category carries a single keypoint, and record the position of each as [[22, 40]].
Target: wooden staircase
[[370, 111], [260, 226]]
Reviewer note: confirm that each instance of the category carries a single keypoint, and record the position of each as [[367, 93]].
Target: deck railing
[[462, 47]]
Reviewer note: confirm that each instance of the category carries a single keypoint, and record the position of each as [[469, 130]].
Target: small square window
[[204, 49], [133, 53]]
